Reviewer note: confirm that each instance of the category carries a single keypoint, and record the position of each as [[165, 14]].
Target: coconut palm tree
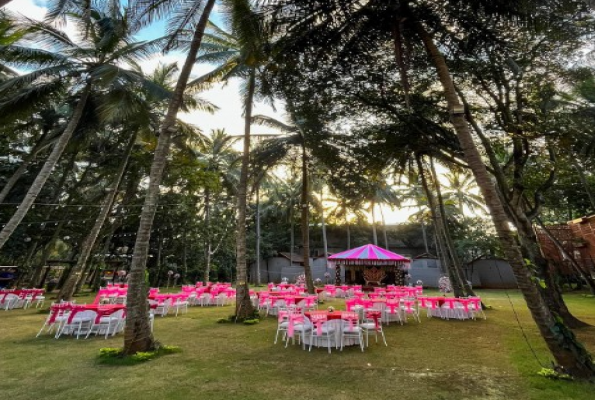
[[281, 204], [243, 53], [318, 25], [272, 151], [143, 110], [190, 18], [220, 158], [382, 194], [460, 190], [80, 67]]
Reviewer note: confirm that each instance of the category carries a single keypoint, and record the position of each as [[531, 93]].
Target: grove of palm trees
[[157, 155]]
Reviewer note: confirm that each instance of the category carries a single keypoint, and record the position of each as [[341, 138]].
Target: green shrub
[[115, 356], [251, 321], [110, 352], [553, 374]]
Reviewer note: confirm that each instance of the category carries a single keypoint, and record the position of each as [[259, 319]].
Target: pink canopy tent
[[363, 257]]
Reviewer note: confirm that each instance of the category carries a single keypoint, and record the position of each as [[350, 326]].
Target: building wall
[[489, 274], [275, 269], [494, 274]]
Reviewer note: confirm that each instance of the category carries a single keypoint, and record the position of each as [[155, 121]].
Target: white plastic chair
[[11, 301], [299, 329], [352, 330], [369, 325], [81, 324], [61, 317], [108, 325], [163, 308], [327, 332], [180, 304], [282, 325]]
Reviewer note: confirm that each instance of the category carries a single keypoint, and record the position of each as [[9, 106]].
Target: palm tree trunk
[[33, 247], [568, 352], [244, 308], [159, 260], [208, 246], [323, 223], [444, 255], [291, 235], [456, 263], [46, 170], [348, 236], [21, 169], [89, 243], [424, 235], [138, 336], [384, 233], [258, 235], [185, 253], [32, 278], [47, 250], [306, 222], [374, 234]]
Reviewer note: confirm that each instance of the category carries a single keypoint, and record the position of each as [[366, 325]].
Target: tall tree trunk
[[208, 246], [568, 352], [323, 223], [424, 235], [291, 235], [57, 193], [456, 263], [138, 336], [348, 236], [304, 204], [22, 168], [374, 234], [159, 260], [586, 275], [258, 280], [89, 243], [531, 250], [35, 278], [444, 254], [384, 233], [46, 170], [33, 247], [581, 176], [185, 253], [244, 308]]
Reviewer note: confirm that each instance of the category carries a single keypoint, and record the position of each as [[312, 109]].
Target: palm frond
[[270, 122], [58, 72], [28, 100], [27, 57], [46, 36], [183, 18]]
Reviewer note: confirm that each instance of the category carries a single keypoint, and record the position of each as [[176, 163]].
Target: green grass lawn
[[436, 359]]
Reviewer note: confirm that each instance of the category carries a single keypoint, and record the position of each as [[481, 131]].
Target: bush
[[115, 356], [553, 374], [251, 321]]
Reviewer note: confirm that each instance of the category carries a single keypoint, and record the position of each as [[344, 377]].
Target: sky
[[226, 97]]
